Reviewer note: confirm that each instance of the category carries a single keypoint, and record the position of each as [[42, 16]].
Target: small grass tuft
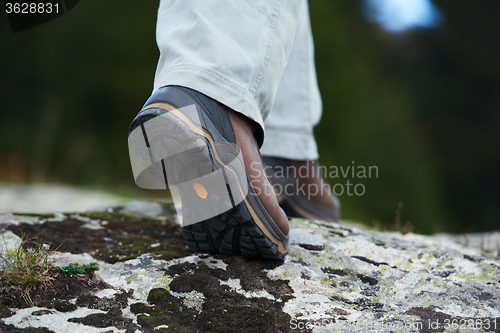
[[26, 267]]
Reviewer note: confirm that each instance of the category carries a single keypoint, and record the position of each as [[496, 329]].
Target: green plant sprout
[[75, 268]]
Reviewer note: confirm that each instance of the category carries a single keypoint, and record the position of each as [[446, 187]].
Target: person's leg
[[297, 107], [233, 51], [226, 57], [290, 142]]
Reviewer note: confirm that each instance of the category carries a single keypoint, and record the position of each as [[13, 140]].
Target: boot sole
[[238, 230]]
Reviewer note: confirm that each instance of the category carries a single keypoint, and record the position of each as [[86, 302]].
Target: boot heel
[[183, 157]]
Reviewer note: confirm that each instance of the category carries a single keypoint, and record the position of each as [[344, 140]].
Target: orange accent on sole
[[200, 190]]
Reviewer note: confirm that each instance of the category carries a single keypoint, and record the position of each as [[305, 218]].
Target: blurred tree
[[72, 86], [369, 119], [455, 77]]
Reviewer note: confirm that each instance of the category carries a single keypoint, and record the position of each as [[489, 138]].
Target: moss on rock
[[105, 304], [118, 236], [112, 318], [222, 311], [13, 329], [61, 306]]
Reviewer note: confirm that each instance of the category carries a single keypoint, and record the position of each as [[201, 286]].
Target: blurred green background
[[423, 105]]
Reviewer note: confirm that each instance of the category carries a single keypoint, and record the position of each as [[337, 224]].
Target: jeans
[[255, 56]]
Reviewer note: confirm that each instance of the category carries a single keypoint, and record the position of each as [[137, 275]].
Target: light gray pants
[[255, 56]]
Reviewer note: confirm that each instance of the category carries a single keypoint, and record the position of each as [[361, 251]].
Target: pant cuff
[[290, 144], [215, 86]]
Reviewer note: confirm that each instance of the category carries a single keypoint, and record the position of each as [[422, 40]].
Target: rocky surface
[[336, 278]]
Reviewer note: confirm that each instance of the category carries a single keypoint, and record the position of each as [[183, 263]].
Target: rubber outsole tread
[[244, 237]]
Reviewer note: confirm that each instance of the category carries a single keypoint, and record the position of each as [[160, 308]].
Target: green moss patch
[[157, 236], [251, 273], [105, 304], [66, 236], [112, 318], [121, 236], [221, 308], [222, 311], [13, 329], [253, 276], [61, 306]]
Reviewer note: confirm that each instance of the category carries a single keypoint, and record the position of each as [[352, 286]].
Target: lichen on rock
[[336, 277]]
